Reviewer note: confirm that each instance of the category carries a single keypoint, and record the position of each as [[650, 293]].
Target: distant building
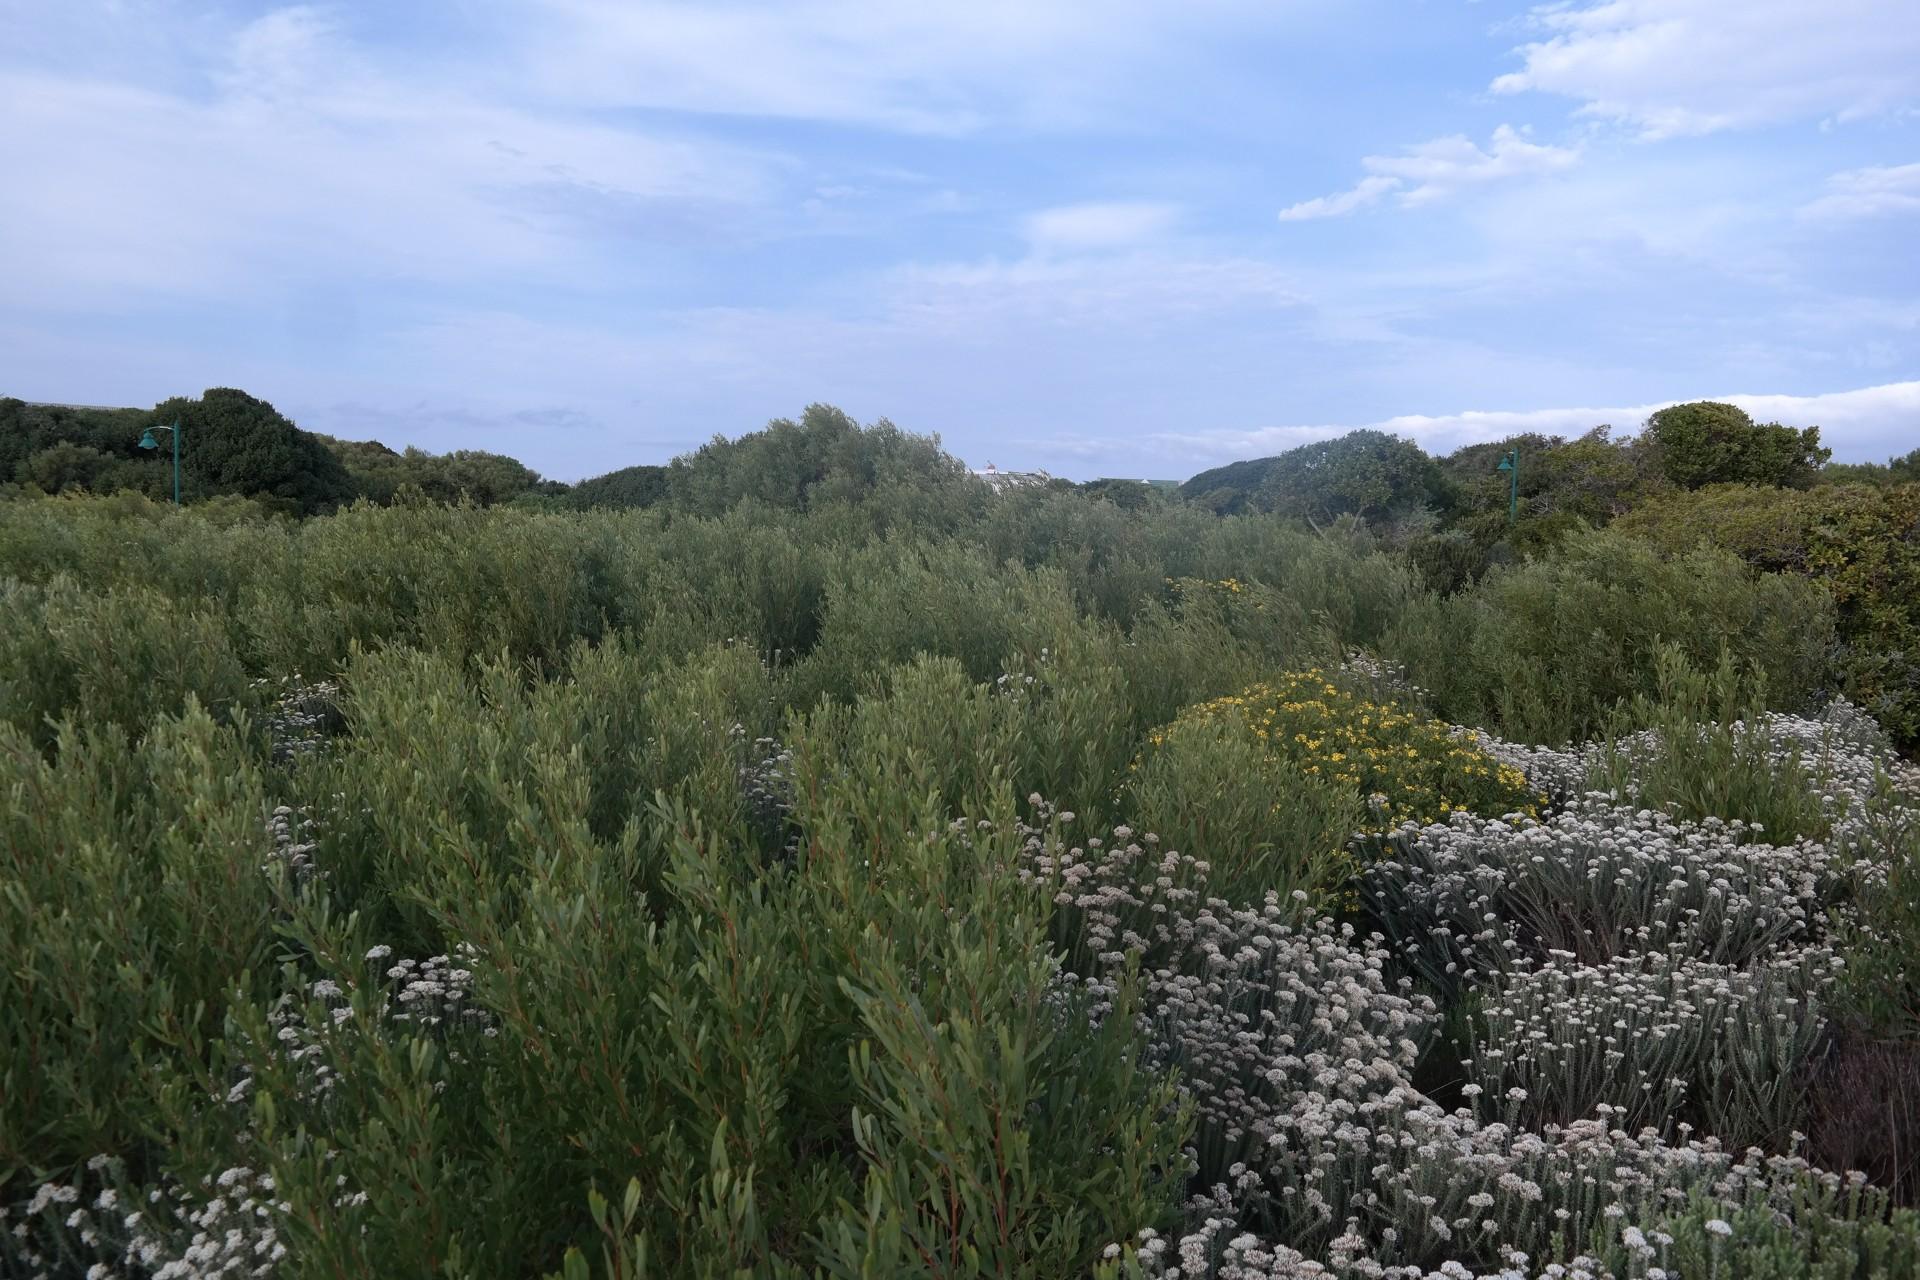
[[1000, 481]]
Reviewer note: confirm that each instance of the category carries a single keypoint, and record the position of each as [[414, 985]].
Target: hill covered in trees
[[236, 446], [1700, 473]]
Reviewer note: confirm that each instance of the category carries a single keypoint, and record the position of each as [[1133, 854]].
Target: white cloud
[[1677, 67], [304, 161], [1133, 291], [1099, 226], [1367, 192], [1429, 171], [1868, 193], [1438, 168], [1863, 423], [935, 67]]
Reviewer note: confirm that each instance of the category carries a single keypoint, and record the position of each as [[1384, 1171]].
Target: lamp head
[[1506, 464], [147, 441]]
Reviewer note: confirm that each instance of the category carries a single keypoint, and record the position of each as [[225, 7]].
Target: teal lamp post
[[1511, 465], [148, 442]]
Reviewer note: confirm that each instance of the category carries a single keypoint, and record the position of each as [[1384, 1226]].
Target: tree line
[[1703, 472]]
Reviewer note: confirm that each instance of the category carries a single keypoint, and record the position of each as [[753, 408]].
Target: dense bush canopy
[[828, 866], [1708, 443]]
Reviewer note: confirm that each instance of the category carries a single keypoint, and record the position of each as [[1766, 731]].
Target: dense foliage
[[1860, 542], [438, 890], [1706, 443], [1363, 473], [381, 475], [802, 859], [641, 486], [1409, 769]]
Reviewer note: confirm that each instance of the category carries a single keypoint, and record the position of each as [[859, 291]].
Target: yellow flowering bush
[[1217, 591], [1259, 822], [1407, 767]]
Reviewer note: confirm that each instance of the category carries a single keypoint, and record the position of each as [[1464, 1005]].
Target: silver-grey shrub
[[1478, 895], [1660, 1037], [1264, 1018]]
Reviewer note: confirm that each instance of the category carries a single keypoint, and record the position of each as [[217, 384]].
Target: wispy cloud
[[1873, 418], [300, 160], [941, 67], [1668, 68], [1112, 225], [1432, 170], [1368, 191], [1131, 291], [1868, 193]]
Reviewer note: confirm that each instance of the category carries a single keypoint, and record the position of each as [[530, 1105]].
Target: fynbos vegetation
[[869, 875]]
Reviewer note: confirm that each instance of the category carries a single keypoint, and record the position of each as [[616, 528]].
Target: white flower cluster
[[301, 717], [1387, 679], [1631, 974], [1652, 1034], [431, 993], [1478, 895], [1123, 896], [227, 1227], [765, 774], [292, 834], [1432, 1194], [1844, 753]]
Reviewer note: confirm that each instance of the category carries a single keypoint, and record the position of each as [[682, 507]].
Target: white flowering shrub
[[293, 845], [299, 716], [633, 895], [432, 996], [1650, 1003], [226, 1226], [1810, 1227], [1663, 1037], [1476, 896]]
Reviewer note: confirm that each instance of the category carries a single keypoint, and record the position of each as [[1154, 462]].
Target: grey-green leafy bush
[[1545, 650], [633, 893], [1664, 1038], [1212, 789]]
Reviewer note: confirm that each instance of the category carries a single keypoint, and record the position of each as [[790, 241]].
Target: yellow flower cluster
[[1220, 589], [1412, 769]]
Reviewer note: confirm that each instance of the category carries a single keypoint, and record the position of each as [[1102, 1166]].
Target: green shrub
[[131, 898], [1860, 542], [511, 892], [120, 658], [1701, 747], [1809, 1231], [1212, 789], [1544, 651], [1407, 769]]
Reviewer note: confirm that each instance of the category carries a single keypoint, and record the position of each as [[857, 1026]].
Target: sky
[[1112, 238]]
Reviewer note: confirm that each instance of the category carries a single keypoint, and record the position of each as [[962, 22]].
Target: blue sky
[[1114, 238]]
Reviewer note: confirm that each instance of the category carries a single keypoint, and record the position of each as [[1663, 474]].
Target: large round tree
[[236, 443], [1707, 442]]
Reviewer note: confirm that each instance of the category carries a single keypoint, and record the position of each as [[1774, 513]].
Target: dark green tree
[[1369, 474], [639, 486], [1128, 495], [235, 443], [1706, 442], [28, 429], [375, 469], [1229, 490], [825, 457], [1591, 478], [1902, 470], [474, 474], [63, 466]]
